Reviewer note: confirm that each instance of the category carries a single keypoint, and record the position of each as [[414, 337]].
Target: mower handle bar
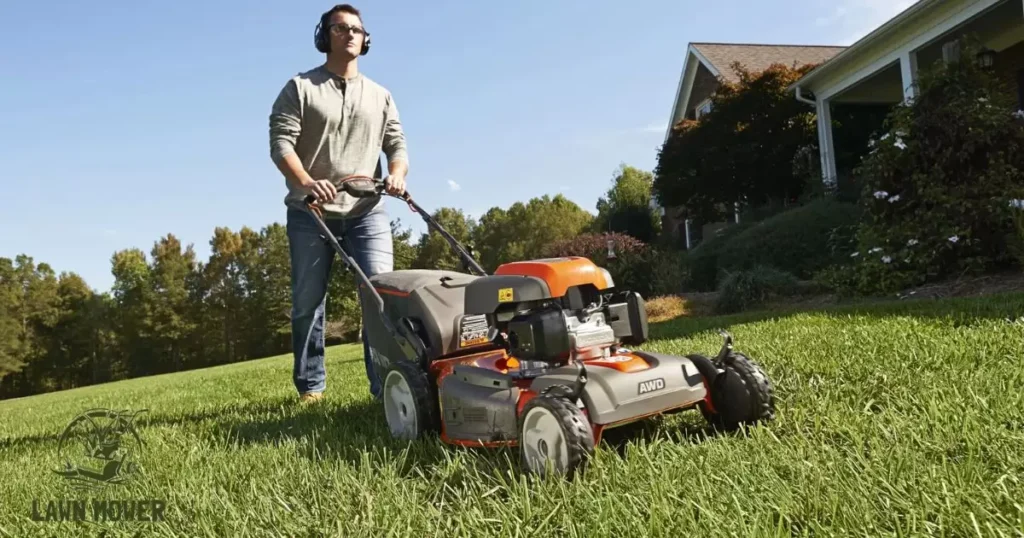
[[356, 186]]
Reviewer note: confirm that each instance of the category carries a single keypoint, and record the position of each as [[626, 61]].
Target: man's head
[[341, 32]]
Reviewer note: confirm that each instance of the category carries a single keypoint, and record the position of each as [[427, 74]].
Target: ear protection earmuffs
[[322, 39]]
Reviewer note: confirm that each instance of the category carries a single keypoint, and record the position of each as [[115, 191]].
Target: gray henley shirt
[[338, 128]]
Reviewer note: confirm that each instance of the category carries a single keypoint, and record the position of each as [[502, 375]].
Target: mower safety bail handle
[[355, 186]]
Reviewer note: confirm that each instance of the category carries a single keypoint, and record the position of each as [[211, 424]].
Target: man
[[326, 124]]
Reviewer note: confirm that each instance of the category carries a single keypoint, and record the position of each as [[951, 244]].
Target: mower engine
[[556, 336], [577, 320]]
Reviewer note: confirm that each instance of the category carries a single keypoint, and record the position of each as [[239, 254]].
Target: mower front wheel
[[410, 403], [555, 435], [741, 396]]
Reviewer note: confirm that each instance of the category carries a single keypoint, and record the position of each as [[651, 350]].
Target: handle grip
[[357, 187]]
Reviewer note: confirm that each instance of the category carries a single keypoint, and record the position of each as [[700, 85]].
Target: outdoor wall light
[[986, 58]]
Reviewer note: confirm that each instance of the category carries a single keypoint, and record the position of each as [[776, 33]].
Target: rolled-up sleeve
[[285, 122], [394, 138]]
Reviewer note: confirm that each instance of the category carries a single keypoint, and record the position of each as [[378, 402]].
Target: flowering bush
[[595, 246], [939, 184]]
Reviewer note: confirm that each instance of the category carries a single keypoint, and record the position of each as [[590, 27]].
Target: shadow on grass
[[958, 311], [353, 431], [689, 431]]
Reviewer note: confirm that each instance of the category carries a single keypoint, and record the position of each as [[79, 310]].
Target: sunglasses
[[340, 28]]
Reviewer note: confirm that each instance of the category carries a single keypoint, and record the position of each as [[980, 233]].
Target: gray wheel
[[554, 435], [742, 396], [410, 404]]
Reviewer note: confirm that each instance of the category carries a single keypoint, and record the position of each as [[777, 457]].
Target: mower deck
[[482, 395]]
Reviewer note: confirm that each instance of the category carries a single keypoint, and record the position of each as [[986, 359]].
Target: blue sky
[[125, 121]]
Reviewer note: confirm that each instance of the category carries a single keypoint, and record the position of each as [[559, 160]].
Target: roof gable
[[719, 57]]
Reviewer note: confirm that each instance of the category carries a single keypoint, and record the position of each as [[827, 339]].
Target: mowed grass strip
[[894, 419]]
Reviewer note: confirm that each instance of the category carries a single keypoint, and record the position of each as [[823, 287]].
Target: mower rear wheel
[[555, 435], [741, 396], [410, 402]]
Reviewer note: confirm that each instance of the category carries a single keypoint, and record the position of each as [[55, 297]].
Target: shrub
[[800, 241], [669, 272], [939, 184], [702, 260], [631, 268], [743, 289]]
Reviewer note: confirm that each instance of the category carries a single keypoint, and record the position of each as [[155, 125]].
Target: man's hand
[[324, 190], [395, 184]]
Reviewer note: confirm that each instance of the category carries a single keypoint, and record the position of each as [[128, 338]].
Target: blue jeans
[[368, 240]]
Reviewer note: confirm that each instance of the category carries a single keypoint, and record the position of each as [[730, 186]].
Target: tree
[[404, 251], [171, 273], [740, 152], [434, 251], [70, 350], [12, 352], [221, 318], [132, 324], [626, 207], [32, 308], [523, 231], [268, 300]]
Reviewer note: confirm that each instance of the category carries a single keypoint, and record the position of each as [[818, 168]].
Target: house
[[880, 69], [705, 65]]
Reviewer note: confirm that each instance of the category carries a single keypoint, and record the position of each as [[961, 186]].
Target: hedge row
[[801, 241]]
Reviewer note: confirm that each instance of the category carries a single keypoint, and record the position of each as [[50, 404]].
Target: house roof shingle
[[758, 57]]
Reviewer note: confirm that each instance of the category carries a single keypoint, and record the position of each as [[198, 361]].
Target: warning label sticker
[[473, 330]]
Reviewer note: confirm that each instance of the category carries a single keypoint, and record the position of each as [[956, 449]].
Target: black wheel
[[410, 401], [554, 434], [742, 395]]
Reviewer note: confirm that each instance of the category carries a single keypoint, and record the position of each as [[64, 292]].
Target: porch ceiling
[[999, 29], [884, 87], [922, 27]]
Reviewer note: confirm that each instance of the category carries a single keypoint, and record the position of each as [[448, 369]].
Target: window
[[950, 51], [703, 108]]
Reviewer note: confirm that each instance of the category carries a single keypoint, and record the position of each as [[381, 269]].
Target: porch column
[[908, 70], [825, 147]]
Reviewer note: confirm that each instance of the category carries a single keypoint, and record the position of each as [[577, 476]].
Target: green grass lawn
[[894, 419]]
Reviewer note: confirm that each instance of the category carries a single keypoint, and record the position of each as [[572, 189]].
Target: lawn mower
[[541, 355]]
